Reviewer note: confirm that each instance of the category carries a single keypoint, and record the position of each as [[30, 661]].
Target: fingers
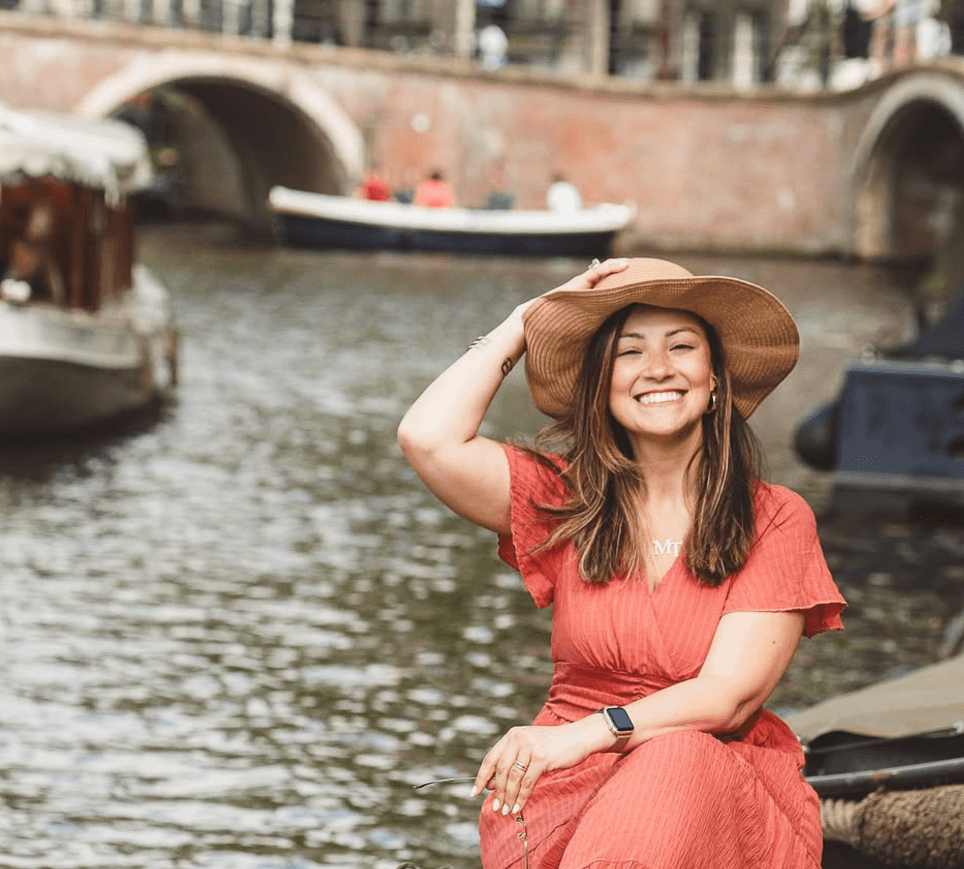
[[511, 772], [511, 797], [598, 270], [585, 280], [483, 779], [525, 782]]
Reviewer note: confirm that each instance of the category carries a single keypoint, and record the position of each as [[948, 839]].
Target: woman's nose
[[658, 365]]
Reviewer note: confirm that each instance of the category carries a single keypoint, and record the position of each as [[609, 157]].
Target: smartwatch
[[620, 724]]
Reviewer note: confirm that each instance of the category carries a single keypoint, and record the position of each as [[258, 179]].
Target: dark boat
[[316, 220], [887, 762], [894, 437]]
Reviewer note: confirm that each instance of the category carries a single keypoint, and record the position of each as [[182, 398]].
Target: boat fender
[[14, 291], [815, 440]]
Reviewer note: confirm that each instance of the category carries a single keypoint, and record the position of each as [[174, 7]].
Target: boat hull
[[43, 396], [67, 369], [318, 221], [320, 233]]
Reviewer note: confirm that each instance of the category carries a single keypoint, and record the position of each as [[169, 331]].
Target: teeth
[[659, 397]]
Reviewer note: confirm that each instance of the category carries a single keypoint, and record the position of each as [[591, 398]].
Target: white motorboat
[[317, 220]]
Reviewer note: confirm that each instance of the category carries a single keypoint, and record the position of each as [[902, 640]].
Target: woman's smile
[[660, 397]]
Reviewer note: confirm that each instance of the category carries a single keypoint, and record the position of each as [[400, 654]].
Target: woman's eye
[[681, 347], [629, 351]]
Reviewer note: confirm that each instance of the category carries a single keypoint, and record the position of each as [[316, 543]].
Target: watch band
[[622, 734]]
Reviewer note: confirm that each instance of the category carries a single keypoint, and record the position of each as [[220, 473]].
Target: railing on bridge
[[639, 39], [253, 18], [633, 38], [548, 35]]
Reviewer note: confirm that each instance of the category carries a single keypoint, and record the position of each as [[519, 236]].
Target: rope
[[923, 829], [837, 817]]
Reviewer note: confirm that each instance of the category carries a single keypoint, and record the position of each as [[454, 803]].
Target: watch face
[[620, 718]]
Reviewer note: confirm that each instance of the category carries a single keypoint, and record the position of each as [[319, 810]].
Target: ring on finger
[[521, 766], [595, 262]]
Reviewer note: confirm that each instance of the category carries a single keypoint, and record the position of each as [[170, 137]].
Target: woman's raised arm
[[439, 433]]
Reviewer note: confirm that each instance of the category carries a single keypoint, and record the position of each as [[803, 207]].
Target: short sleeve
[[532, 484], [786, 569]]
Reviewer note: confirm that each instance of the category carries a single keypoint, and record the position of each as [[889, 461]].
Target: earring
[[711, 407]]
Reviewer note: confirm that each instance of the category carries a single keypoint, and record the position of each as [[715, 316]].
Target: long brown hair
[[601, 515]]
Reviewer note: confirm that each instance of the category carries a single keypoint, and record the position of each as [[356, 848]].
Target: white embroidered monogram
[[667, 547]]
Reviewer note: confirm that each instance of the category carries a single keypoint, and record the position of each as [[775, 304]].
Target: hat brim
[[759, 337]]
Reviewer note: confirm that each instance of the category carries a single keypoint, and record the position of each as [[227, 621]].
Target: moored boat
[[887, 762], [86, 332], [317, 220], [894, 437]]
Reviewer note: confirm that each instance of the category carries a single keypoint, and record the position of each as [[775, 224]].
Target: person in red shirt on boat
[[374, 187], [434, 192]]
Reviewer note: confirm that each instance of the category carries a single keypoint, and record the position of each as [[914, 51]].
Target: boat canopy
[[929, 699], [108, 155]]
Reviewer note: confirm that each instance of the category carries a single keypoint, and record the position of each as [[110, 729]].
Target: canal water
[[236, 632]]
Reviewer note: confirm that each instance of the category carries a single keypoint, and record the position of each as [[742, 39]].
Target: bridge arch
[[908, 169], [271, 121]]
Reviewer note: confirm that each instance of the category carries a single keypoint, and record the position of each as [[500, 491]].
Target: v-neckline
[[662, 580]]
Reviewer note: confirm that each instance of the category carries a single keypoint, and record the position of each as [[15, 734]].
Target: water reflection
[[237, 633]]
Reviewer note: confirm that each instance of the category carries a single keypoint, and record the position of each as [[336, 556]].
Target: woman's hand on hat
[[594, 274], [585, 280]]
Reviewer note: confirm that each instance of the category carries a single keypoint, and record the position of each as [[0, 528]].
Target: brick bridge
[[875, 173]]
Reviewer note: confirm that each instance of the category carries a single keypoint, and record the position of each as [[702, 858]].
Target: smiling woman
[[681, 582], [662, 376]]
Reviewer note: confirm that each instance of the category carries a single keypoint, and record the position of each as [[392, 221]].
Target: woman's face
[[662, 375]]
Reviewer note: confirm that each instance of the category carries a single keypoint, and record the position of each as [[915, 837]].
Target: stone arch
[[278, 125], [908, 169]]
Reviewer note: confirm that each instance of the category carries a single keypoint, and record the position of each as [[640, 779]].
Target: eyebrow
[[668, 334]]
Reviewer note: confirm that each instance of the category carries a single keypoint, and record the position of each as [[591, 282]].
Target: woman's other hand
[[514, 764]]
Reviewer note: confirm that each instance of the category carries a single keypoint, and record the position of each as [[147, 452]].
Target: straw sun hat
[[760, 339]]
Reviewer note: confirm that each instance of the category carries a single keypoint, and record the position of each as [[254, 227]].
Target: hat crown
[[642, 269]]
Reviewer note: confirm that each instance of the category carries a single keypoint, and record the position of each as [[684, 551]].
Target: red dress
[[683, 800]]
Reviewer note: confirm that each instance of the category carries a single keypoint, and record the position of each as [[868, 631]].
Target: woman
[[680, 583]]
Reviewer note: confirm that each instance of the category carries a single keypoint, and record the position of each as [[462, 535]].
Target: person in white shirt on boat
[[563, 195]]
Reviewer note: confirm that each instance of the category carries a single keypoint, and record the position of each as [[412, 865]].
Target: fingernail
[[505, 809], [495, 805], [475, 792], [515, 809]]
